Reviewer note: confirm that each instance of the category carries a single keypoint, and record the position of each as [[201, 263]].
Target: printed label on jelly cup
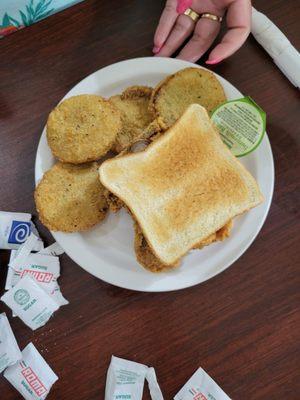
[[241, 124]]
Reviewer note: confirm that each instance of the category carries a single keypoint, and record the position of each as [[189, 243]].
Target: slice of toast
[[184, 187]]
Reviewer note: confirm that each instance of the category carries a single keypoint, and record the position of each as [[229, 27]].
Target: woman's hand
[[174, 28]]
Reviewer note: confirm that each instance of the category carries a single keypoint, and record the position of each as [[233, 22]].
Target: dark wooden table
[[240, 326]]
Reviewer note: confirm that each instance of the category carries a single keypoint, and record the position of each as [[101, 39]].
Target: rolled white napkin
[[270, 37]]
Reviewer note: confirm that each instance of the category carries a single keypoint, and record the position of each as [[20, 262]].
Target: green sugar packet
[[241, 124]]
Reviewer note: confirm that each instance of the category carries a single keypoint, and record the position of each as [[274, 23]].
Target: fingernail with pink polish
[[155, 49], [212, 62]]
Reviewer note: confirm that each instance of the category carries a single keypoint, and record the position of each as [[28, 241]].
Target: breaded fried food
[[114, 203], [176, 92], [152, 131], [70, 198], [147, 258], [83, 128], [133, 105]]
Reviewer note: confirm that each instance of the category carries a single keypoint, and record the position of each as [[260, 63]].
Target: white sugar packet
[[15, 228], [32, 377], [201, 387], [125, 380], [20, 254], [10, 271], [154, 388], [44, 269], [54, 250], [23, 251], [55, 292], [30, 302], [9, 349]]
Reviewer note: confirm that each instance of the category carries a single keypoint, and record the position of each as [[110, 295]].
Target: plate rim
[[235, 256]]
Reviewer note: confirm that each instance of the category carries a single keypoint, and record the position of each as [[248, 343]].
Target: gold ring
[[212, 17], [192, 14]]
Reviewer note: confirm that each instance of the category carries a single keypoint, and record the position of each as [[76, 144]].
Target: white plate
[[107, 250]]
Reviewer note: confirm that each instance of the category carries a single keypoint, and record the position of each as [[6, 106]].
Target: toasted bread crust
[[185, 185], [82, 128], [145, 255], [143, 252], [217, 236], [147, 258], [176, 92], [70, 198]]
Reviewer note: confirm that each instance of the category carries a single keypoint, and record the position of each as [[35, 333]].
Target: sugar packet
[[10, 271], [24, 250], [43, 268], [9, 349], [201, 387], [15, 229], [21, 254], [154, 388], [30, 302], [32, 377], [54, 250], [125, 380], [57, 295]]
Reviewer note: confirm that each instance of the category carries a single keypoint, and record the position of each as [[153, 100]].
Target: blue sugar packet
[[15, 228]]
